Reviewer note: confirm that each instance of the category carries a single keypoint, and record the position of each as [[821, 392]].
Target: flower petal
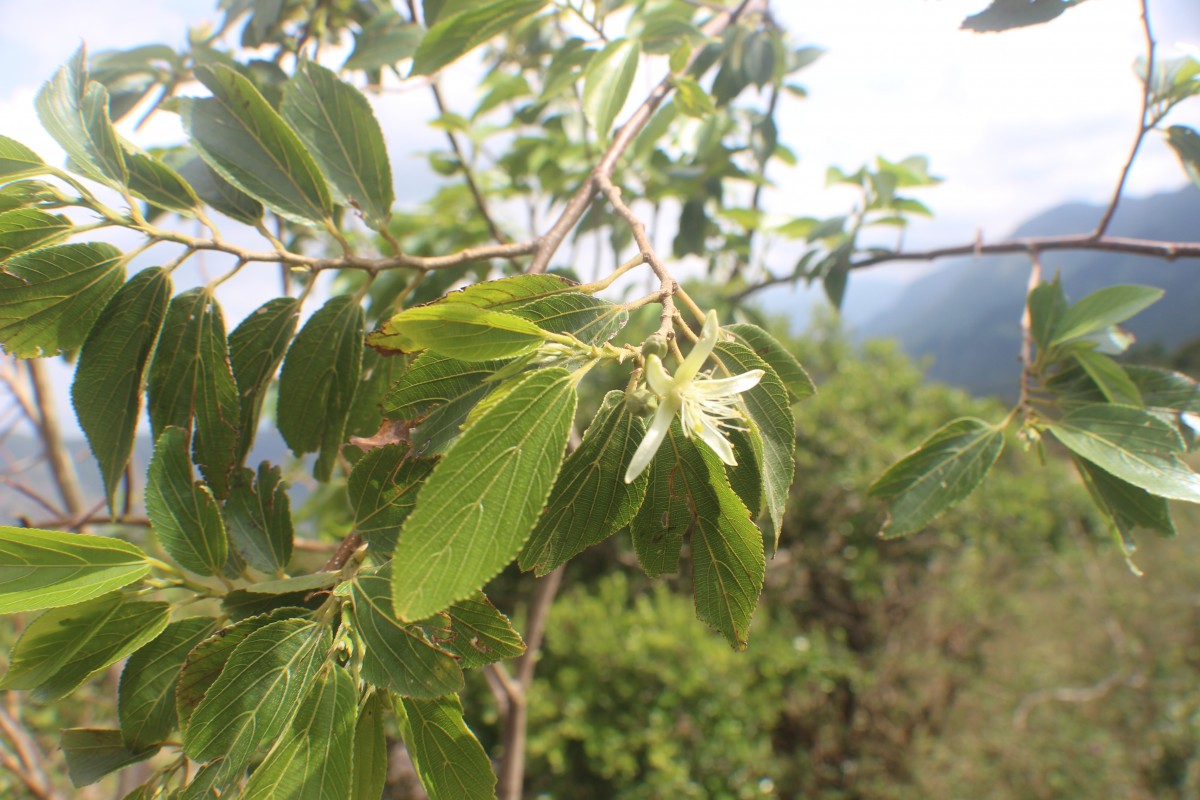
[[711, 435], [721, 387], [701, 350], [654, 438], [657, 378]]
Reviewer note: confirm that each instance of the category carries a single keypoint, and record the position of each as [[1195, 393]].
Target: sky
[[1014, 122]]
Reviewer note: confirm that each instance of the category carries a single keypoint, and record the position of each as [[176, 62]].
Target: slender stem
[[468, 174], [1027, 343], [1144, 123], [61, 465]]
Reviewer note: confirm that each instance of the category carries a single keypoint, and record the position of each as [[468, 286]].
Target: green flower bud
[[655, 345]]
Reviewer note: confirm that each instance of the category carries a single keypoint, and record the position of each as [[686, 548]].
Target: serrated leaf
[[441, 429], [768, 348], [18, 161], [92, 753], [1185, 142], [484, 497], [49, 298], [146, 701], [383, 491], [182, 511], [453, 37], [260, 520], [383, 42], [205, 662], [505, 294], [607, 82], [691, 99], [771, 413], [219, 194], [434, 380], [1132, 444], [1047, 304], [1102, 309], [74, 111], [1128, 506], [1109, 376], [370, 751], [249, 145], [479, 634], [158, 184], [65, 646], [24, 229], [450, 761], [257, 693], [190, 377], [46, 569], [312, 760], [942, 472], [589, 319], [337, 124], [296, 585], [107, 390], [256, 349], [398, 657], [1165, 389], [318, 381], [590, 500], [458, 330], [665, 516]]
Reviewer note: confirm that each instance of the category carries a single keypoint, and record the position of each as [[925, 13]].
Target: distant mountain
[[966, 315]]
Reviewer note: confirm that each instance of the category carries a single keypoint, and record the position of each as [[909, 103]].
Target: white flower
[[704, 404]]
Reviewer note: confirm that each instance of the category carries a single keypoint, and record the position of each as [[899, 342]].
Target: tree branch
[[1143, 124], [59, 459]]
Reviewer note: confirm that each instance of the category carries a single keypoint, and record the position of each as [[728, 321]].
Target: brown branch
[[550, 241], [1144, 124], [512, 766], [1168, 251], [26, 760], [61, 465]]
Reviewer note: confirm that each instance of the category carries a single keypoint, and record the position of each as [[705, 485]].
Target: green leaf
[[450, 761], [1109, 376], [589, 319], [18, 161], [370, 751], [398, 657], [1165, 389], [146, 702], [317, 384], [383, 41], [768, 348], [1132, 444], [335, 121], [383, 491], [24, 229], [260, 520], [480, 634], [458, 330], [1003, 15], [74, 111], [607, 82], [590, 500], [159, 184], [107, 390], [49, 298], [1128, 506], [665, 516], [23, 194], [434, 380], [453, 37], [256, 348], [65, 646], [505, 294], [248, 144], [691, 99], [190, 376], [1103, 308], [296, 585], [728, 564], [257, 693], [771, 413], [1185, 142], [206, 661], [92, 753], [219, 194], [46, 569], [1047, 305], [184, 512], [442, 428], [313, 757], [484, 497], [942, 472]]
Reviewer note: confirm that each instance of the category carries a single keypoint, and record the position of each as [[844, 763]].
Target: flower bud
[[655, 345]]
